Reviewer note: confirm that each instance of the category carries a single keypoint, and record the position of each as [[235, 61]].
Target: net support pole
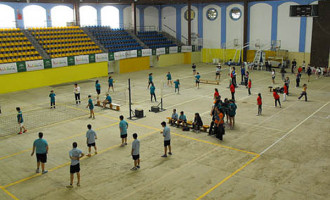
[[129, 99]]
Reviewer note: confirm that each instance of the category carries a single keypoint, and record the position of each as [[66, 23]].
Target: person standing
[[259, 103], [216, 93], [218, 128], [285, 92], [76, 92], [249, 86], [98, 87], [304, 92], [123, 126], [283, 73], [303, 65], [177, 84], [309, 72], [90, 105], [110, 83], [75, 155], [169, 78], [52, 99], [40, 146], [293, 65], [276, 97], [233, 76], [91, 137], [197, 77], [298, 79], [167, 139], [150, 80], [217, 72], [287, 83], [152, 92], [232, 113], [136, 152], [232, 90], [194, 68], [273, 76], [242, 72], [246, 78], [20, 121]]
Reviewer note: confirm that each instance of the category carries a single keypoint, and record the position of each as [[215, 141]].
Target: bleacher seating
[[153, 39], [15, 47], [114, 39], [64, 41]]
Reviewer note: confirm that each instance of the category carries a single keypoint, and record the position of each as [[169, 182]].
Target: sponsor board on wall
[[120, 55], [71, 60], [47, 64], [160, 51], [139, 53], [91, 58], [146, 52], [83, 59], [173, 49], [101, 57], [8, 68], [111, 56], [131, 54], [34, 65], [186, 49], [60, 62]]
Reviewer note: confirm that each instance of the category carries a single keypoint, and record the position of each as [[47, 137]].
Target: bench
[[205, 127], [189, 123], [215, 82], [117, 106], [270, 88], [169, 119]]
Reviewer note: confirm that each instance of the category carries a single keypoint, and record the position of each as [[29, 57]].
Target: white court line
[[183, 102], [294, 128]]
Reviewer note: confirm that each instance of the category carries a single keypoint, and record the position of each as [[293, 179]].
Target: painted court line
[[9, 194], [294, 128]]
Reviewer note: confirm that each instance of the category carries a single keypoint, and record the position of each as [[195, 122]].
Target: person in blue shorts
[[75, 155], [176, 84], [20, 120], [110, 81], [152, 92], [182, 119], [107, 100], [52, 99], [98, 87], [197, 77], [40, 146], [150, 80], [90, 105], [169, 78], [123, 126]]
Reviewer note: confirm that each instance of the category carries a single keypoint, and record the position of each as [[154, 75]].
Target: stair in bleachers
[[153, 39], [173, 39], [35, 43], [15, 47], [65, 41], [114, 39], [91, 36], [137, 39]]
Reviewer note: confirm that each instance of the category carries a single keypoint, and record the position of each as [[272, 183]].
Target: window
[[34, 16], [88, 16], [110, 16], [235, 13], [212, 14], [7, 17], [61, 15]]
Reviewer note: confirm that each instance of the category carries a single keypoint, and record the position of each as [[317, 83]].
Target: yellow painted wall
[[46, 77], [196, 57], [171, 59], [187, 58], [222, 54], [300, 57], [134, 64]]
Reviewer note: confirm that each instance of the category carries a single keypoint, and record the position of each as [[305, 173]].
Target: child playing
[[232, 113], [303, 93], [232, 90], [136, 152], [276, 97], [90, 105], [197, 77], [150, 80], [107, 100], [169, 78], [249, 86], [182, 119], [20, 121], [110, 81], [91, 137], [194, 68], [75, 155], [259, 103], [217, 72], [152, 92], [174, 117], [177, 83], [98, 87], [216, 94], [285, 92], [76, 92], [52, 99], [273, 76], [198, 123]]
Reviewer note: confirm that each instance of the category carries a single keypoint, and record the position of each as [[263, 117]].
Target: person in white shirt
[[217, 72], [77, 93]]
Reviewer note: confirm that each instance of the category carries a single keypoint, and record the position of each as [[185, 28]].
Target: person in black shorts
[[167, 139], [194, 68], [136, 152], [75, 155], [41, 147]]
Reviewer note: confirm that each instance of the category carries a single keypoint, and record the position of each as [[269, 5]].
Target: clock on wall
[[235, 13], [192, 15], [212, 14]]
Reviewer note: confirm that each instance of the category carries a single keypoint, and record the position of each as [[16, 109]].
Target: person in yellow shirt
[[303, 93]]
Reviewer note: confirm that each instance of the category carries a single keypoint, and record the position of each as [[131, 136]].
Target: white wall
[[151, 17], [169, 19], [260, 25], [309, 27], [184, 23], [234, 28], [288, 28], [212, 29], [128, 17]]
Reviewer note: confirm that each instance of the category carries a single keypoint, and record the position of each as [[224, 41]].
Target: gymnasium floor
[[283, 154]]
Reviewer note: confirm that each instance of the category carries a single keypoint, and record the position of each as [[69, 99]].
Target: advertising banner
[[21, 67], [131, 54], [83, 59], [59, 62], [173, 49], [71, 60], [146, 52], [111, 56], [160, 51], [186, 49], [91, 58], [34, 65], [120, 55], [8, 68], [101, 57], [47, 64]]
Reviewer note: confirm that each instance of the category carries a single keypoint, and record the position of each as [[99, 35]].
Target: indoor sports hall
[[269, 59]]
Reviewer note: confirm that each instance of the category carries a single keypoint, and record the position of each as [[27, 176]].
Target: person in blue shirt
[[233, 76], [182, 119], [242, 72], [152, 92], [90, 105], [176, 84], [52, 99], [169, 78], [123, 126], [167, 139], [197, 77], [150, 80], [110, 81], [107, 100], [40, 146], [75, 155], [98, 87], [174, 117], [20, 121]]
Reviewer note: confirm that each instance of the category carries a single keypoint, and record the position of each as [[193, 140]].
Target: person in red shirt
[[276, 97], [232, 90], [299, 70], [259, 102], [249, 86], [216, 93], [285, 92]]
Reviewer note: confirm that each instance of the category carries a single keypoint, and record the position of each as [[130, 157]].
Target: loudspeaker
[[154, 109], [138, 113]]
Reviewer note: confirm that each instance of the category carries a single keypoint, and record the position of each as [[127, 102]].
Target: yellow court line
[[59, 140], [228, 177], [10, 194], [68, 163], [220, 145]]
